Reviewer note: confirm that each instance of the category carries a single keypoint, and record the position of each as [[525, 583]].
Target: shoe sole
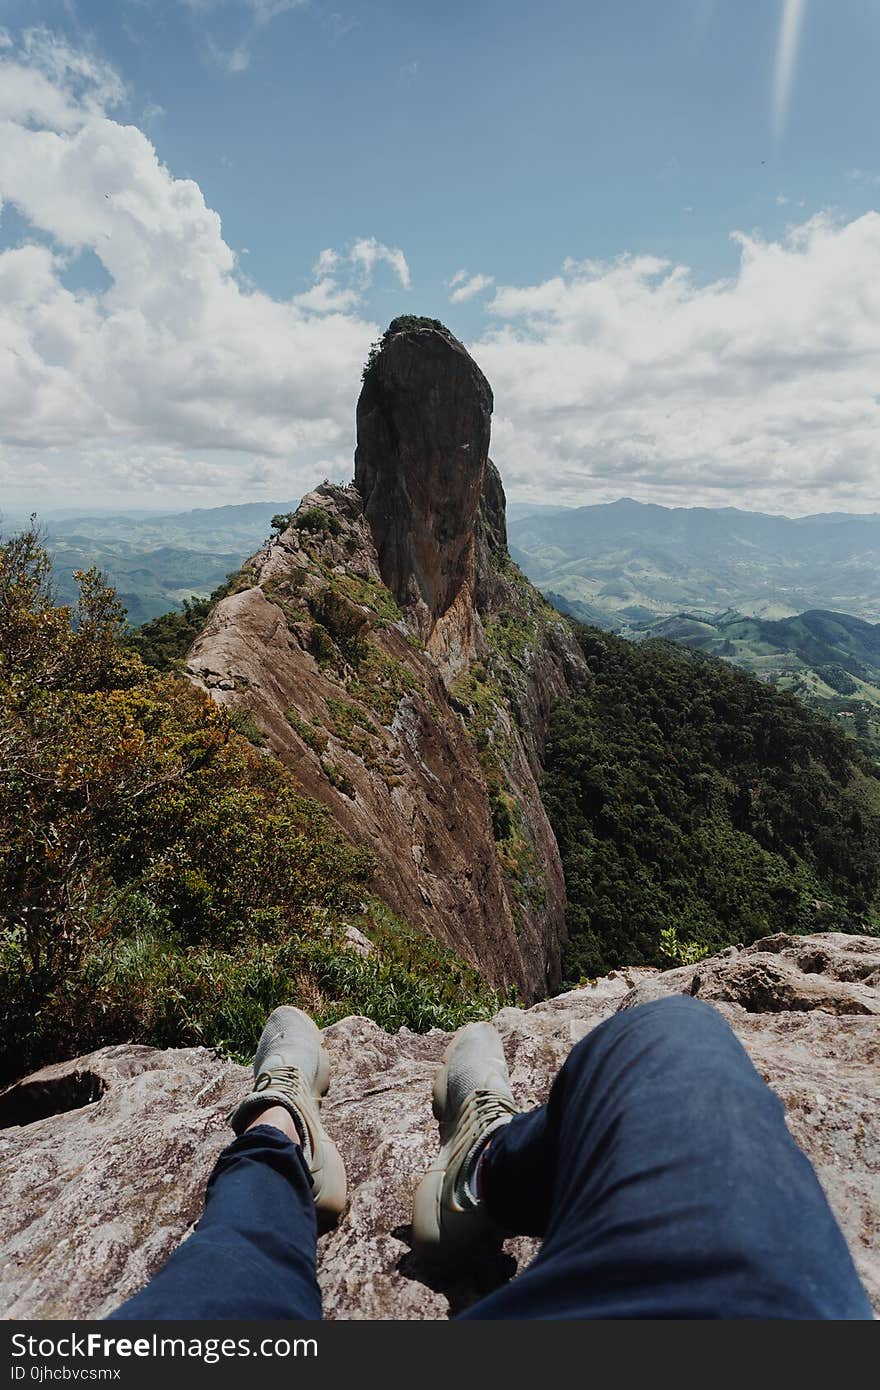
[[330, 1184], [432, 1240]]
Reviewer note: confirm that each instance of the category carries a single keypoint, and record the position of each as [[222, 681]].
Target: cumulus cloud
[[354, 267], [176, 371], [759, 390], [368, 253], [464, 286]]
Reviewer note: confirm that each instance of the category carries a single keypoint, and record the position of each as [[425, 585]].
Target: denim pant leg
[[253, 1253], [666, 1184]]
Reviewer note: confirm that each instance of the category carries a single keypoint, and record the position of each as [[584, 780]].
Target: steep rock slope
[[103, 1160], [387, 650]]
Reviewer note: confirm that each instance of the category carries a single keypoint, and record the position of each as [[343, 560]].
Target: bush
[[346, 623], [404, 323], [317, 520]]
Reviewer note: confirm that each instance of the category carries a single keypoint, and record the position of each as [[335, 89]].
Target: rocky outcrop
[[388, 651], [103, 1160], [423, 424]]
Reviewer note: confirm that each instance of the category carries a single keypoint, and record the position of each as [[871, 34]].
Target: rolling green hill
[[831, 661]]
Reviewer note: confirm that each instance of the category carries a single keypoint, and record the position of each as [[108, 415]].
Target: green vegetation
[[381, 682], [164, 641], [160, 879], [345, 623], [830, 661], [243, 723], [404, 323], [480, 698], [317, 520], [312, 735], [688, 798]]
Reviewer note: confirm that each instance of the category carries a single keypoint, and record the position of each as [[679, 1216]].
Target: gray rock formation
[[103, 1160]]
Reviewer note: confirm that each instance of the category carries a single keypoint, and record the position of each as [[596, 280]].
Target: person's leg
[[253, 1252], [665, 1182]]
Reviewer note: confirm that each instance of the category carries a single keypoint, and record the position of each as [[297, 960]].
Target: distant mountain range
[[628, 562], [621, 565], [156, 560]]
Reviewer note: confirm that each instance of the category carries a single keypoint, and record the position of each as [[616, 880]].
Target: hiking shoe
[[472, 1099], [292, 1068]]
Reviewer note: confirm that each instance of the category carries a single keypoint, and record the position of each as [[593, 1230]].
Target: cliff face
[[103, 1160], [387, 650]]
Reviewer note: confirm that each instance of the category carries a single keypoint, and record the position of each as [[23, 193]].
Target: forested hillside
[[696, 808]]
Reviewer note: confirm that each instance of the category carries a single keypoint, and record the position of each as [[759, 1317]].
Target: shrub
[[243, 722], [318, 520], [404, 323], [346, 623]]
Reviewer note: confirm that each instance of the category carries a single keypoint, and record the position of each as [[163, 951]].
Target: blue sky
[[653, 224]]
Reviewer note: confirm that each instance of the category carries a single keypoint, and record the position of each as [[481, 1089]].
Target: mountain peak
[[423, 426]]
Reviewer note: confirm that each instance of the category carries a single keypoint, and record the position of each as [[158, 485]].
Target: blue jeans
[[660, 1174]]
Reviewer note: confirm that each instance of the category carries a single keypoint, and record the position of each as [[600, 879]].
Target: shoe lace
[[290, 1080], [485, 1107], [482, 1113]]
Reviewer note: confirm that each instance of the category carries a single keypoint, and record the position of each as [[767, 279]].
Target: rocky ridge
[[386, 649], [103, 1159]]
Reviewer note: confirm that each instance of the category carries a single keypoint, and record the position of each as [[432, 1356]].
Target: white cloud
[[328, 297], [368, 252], [262, 10], [178, 372], [356, 266], [761, 390], [862, 176], [231, 60], [327, 262], [409, 71], [266, 10], [237, 58], [786, 60], [465, 286]]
